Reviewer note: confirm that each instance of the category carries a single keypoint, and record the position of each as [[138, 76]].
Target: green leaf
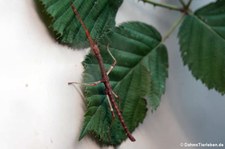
[[98, 15], [202, 41], [139, 76]]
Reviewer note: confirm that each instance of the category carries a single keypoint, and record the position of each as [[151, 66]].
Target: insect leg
[[114, 63], [117, 97], [110, 106], [86, 84]]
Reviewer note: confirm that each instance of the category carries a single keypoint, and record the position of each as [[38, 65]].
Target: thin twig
[[173, 27], [164, 5], [188, 4], [182, 3]]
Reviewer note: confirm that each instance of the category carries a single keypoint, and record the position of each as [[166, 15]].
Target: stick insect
[[105, 79]]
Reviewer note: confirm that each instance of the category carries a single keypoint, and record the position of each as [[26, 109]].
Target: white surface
[[38, 110]]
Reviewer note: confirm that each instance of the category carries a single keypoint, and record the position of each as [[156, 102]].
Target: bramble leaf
[[202, 41], [138, 78], [98, 15]]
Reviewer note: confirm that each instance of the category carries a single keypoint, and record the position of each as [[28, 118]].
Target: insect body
[[105, 79]]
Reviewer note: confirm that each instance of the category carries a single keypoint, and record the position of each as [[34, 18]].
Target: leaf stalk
[[164, 5], [182, 3], [173, 27], [188, 4]]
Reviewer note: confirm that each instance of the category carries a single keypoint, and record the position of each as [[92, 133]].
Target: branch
[[189, 3], [182, 3], [164, 5]]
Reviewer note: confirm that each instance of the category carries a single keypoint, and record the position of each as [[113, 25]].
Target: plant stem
[[168, 6], [174, 26], [182, 3], [189, 3]]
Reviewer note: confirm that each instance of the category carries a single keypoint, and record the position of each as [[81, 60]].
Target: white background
[[38, 110]]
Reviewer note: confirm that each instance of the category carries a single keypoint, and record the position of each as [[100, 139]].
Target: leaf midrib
[[133, 68], [207, 26]]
